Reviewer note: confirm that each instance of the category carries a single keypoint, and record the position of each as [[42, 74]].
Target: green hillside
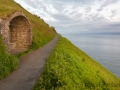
[[42, 33], [68, 68]]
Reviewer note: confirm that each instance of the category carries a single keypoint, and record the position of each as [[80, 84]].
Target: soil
[[29, 69]]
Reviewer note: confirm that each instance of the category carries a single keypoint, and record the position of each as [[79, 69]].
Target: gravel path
[[30, 68]]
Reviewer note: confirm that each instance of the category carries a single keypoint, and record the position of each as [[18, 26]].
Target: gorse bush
[[68, 68]]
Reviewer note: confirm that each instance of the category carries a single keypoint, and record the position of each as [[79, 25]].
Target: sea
[[105, 49]]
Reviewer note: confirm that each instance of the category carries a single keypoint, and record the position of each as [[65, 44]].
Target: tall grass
[[7, 62], [68, 68]]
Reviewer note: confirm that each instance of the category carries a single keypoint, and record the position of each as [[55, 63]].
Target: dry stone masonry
[[16, 31]]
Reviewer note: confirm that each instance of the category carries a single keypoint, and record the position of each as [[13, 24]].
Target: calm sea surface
[[105, 49]]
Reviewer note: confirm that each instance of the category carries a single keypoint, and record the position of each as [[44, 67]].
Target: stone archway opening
[[20, 33], [16, 32]]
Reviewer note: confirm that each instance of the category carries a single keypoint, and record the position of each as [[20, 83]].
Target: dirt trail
[[30, 67]]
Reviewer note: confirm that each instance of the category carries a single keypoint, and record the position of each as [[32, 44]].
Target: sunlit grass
[[68, 68]]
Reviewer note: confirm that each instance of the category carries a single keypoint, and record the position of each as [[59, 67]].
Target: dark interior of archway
[[19, 32]]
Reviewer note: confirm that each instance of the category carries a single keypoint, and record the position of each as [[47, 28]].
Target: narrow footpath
[[30, 68]]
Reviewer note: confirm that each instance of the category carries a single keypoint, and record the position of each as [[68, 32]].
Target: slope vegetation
[[68, 68], [7, 62], [42, 33]]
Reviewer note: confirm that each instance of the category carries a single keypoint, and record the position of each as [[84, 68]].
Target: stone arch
[[19, 32], [16, 31]]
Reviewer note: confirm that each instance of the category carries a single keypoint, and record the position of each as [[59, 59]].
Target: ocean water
[[105, 49]]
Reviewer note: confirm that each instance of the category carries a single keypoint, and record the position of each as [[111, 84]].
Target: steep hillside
[[42, 33], [68, 68]]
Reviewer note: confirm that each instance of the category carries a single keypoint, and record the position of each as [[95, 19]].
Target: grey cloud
[[62, 17], [116, 26], [88, 9], [59, 7], [94, 22], [37, 4], [108, 2], [38, 1], [95, 28], [96, 18], [113, 12], [80, 1], [71, 19], [107, 26], [31, 3], [79, 27]]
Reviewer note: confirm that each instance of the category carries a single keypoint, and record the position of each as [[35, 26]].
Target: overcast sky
[[77, 16]]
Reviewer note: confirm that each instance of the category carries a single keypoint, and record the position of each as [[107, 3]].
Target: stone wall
[[16, 31]]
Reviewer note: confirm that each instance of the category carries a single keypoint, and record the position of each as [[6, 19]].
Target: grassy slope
[[7, 62], [42, 33], [68, 68]]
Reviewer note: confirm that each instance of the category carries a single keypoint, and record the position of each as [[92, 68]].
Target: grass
[[7, 62], [68, 68], [42, 33]]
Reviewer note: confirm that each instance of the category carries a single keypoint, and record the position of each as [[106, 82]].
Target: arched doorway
[[16, 31], [20, 33]]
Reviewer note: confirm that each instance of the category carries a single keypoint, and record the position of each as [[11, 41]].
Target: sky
[[77, 16]]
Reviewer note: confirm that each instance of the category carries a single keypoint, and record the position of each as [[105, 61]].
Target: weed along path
[[30, 67]]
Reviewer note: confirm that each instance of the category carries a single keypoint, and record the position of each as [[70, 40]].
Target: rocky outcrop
[[16, 31]]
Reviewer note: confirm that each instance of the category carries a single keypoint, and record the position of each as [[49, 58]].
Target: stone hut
[[16, 31]]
